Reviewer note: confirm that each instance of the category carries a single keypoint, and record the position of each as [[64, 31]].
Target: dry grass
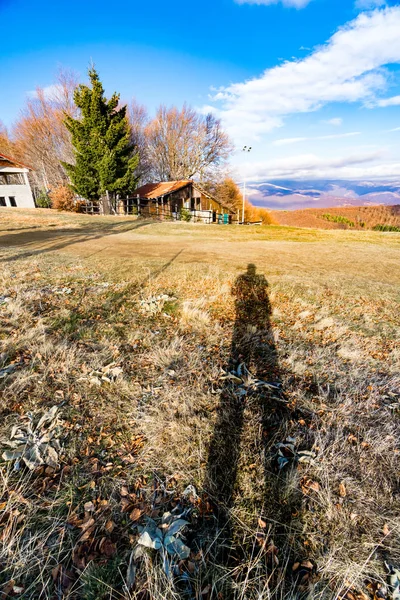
[[363, 217], [72, 305]]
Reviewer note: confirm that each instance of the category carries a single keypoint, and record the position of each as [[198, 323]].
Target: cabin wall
[[20, 192]]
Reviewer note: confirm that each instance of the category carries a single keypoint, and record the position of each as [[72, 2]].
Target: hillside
[[370, 216]]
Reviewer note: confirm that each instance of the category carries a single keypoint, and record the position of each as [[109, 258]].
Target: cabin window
[[15, 179], [2, 201], [11, 179], [12, 201]]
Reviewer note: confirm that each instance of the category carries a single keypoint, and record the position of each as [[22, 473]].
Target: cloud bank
[[288, 141], [350, 67], [336, 122], [394, 101], [362, 165]]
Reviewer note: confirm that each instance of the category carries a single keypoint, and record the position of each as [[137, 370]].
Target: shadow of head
[[251, 270]]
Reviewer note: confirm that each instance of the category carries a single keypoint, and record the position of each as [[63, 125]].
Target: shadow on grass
[[253, 346], [69, 237]]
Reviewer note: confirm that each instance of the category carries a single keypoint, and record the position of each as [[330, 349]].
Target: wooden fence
[[156, 210]]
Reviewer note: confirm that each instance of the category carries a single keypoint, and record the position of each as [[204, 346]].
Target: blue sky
[[312, 85]]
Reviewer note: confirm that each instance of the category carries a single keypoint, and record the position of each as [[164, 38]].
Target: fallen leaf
[[361, 596], [125, 504], [109, 526], [17, 589], [261, 523], [87, 534], [135, 514], [342, 490], [308, 484], [385, 529], [7, 588], [89, 523], [107, 548], [89, 506]]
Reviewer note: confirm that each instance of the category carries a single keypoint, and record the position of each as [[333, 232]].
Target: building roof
[[156, 190], [13, 161], [152, 191]]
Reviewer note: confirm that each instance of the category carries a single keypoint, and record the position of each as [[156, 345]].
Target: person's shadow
[[253, 353]]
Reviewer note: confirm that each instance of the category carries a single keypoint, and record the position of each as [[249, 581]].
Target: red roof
[[13, 160], [156, 190]]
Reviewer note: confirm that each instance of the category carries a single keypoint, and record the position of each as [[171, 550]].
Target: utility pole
[[245, 149]]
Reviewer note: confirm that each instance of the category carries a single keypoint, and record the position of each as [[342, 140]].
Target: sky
[[313, 86]]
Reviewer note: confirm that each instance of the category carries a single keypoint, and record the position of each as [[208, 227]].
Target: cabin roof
[[13, 161], [156, 190]]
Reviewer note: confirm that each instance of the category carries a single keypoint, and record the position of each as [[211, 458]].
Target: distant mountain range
[[290, 194]]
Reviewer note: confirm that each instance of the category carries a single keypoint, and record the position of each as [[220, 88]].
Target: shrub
[[253, 214], [63, 198], [338, 219], [381, 227], [43, 200], [186, 215]]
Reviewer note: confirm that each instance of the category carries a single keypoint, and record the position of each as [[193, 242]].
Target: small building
[[15, 189], [183, 199]]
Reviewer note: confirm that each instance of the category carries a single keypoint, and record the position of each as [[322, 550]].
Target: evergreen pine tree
[[105, 159]]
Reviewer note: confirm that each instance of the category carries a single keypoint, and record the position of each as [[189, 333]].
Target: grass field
[[279, 478]]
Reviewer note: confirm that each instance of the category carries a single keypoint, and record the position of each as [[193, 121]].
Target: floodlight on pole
[[245, 149]]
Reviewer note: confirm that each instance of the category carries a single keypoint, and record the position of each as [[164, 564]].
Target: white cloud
[[50, 92], [336, 122], [287, 141], [288, 3], [350, 67], [394, 101], [370, 4], [311, 166]]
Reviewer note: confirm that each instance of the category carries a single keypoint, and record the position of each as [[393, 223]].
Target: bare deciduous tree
[[138, 121], [6, 145], [40, 135], [183, 143]]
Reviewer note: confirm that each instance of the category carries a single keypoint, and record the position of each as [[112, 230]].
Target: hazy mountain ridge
[[290, 194]]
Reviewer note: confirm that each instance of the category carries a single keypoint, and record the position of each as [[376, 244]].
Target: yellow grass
[[76, 290]]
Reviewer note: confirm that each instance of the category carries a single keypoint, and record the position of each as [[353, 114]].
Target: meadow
[[197, 411]]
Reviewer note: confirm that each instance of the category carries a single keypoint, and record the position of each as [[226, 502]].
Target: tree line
[[78, 142]]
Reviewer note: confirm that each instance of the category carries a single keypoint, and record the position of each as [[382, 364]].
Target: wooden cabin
[[15, 190], [183, 199]]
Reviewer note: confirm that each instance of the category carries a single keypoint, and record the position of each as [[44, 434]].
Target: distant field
[[363, 217], [295, 463]]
